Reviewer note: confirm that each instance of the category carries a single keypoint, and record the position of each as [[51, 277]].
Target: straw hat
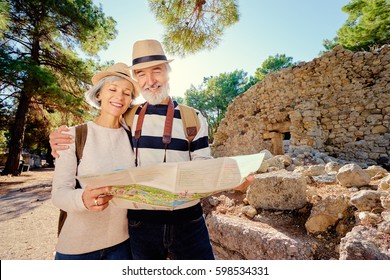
[[120, 70], [147, 53]]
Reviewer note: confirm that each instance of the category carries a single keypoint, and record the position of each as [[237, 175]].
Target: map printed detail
[[154, 196], [175, 185]]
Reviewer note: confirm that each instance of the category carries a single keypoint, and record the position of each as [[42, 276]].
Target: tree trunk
[[17, 137]]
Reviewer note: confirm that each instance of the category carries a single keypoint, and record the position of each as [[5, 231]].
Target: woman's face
[[115, 97]]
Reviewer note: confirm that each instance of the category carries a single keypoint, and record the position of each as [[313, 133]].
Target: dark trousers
[[120, 251], [184, 241]]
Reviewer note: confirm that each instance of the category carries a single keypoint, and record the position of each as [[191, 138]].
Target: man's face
[[153, 82]]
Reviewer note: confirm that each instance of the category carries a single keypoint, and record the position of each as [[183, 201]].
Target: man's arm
[[58, 140], [248, 180]]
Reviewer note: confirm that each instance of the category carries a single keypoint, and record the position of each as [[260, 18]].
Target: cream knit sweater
[[85, 231]]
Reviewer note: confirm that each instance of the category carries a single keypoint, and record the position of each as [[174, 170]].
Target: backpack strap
[[128, 116], [191, 123], [80, 138]]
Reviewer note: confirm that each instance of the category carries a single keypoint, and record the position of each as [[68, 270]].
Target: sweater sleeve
[[63, 194], [200, 148]]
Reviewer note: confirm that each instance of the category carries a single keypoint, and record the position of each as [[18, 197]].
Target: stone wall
[[338, 103]]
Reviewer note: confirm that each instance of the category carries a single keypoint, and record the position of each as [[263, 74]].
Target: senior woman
[[94, 228]]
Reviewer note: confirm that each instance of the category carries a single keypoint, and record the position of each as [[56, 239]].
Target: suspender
[[137, 133], [167, 134]]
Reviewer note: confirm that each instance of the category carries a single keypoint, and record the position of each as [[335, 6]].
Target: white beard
[[155, 98]]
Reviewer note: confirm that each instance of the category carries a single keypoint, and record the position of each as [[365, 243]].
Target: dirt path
[[28, 220]]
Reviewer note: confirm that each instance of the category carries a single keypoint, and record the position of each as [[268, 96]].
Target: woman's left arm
[[64, 194]]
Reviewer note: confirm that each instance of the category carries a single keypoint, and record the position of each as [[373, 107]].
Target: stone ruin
[[327, 124], [338, 103]]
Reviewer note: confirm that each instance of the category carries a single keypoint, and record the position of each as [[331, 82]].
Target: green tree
[[193, 25], [178, 99], [198, 98], [215, 94], [329, 45], [39, 63], [251, 82], [3, 142], [273, 64], [368, 24], [3, 16]]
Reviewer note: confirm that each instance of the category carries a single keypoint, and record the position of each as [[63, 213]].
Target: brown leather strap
[[138, 130], [140, 121], [81, 137], [167, 134]]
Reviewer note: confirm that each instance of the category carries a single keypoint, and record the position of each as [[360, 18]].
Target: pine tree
[[368, 24], [38, 59], [193, 25]]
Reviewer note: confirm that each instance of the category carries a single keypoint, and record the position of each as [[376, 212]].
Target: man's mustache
[[155, 85]]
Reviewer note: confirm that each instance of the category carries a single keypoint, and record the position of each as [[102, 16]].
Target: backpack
[[80, 139], [189, 119]]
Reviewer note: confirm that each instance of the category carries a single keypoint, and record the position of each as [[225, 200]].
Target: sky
[[295, 28]]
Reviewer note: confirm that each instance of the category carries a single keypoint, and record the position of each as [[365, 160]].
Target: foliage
[[3, 142], [273, 64], [329, 45], [193, 25], [178, 99], [251, 82], [367, 26], [215, 94], [4, 18], [41, 71]]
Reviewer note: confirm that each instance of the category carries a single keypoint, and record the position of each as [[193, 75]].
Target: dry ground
[[28, 220]]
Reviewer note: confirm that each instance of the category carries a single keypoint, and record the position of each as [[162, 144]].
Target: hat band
[[148, 58], [122, 73], [132, 92]]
